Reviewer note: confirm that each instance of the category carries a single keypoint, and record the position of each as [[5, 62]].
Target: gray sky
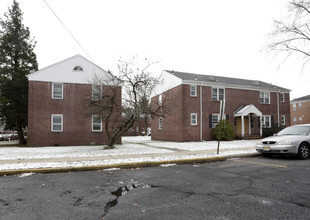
[[223, 38]]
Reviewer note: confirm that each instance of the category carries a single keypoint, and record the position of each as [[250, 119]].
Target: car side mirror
[[275, 134]]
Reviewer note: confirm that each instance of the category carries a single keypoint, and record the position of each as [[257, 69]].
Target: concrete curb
[[104, 167], [123, 165]]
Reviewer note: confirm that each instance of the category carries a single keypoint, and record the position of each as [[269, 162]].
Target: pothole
[[123, 191]]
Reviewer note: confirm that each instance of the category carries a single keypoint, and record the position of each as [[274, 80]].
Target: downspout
[[278, 108], [200, 111]]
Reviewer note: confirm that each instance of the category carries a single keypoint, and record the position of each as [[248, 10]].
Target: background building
[[300, 110], [56, 106], [250, 106]]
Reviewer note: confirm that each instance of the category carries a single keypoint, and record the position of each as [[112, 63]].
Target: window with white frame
[[193, 90], [57, 92], [294, 107], [160, 123], [57, 123], [193, 118], [282, 119], [215, 120], [294, 120], [300, 119], [96, 92], [282, 97], [264, 97], [266, 121], [300, 105], [96, 123], [218, 94], [160, 100]]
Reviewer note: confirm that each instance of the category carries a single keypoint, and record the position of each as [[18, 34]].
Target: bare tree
[[293, 35], [138, 85]]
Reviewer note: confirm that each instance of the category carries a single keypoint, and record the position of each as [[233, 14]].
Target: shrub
[[227, 131], [272, 130]]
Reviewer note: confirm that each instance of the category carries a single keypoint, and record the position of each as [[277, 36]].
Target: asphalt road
[[247, 188]]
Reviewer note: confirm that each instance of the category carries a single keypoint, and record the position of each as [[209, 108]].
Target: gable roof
[[304, 98], [76, 69], [246, 110], [226, 81]]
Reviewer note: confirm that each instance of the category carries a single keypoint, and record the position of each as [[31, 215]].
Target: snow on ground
[[143, 146]]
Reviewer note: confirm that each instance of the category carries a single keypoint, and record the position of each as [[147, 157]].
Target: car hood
[[287, 137]]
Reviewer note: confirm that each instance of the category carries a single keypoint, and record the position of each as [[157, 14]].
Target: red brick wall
[[77, 128], [303, 112], [177, 125], [172, 123]]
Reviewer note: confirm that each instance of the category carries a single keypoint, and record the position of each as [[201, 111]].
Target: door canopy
[[246, 110]]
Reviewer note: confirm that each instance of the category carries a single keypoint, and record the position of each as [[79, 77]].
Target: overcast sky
[[221, 38]]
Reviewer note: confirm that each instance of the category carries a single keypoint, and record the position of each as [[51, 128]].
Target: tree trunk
[[20, 132], [110, 143]]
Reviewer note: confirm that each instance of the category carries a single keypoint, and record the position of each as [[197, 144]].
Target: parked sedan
[[294, 140]]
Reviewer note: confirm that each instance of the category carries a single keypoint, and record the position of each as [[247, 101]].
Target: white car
[[294, 140]]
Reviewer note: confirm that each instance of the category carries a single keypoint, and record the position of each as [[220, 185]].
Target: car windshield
[[296, 130]]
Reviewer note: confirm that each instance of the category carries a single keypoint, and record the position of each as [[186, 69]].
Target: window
[[96, 123], [130, 129], [300, 119], [193, 90], [78, 68], [160, 123], [218, 94], [264, 97], [160, 100], [282, 97], [300, 105], [57, 92], [266, 121], [193, 118], [294, 120], [96, 92], [148, 119], [282, 119], [294, 107], [215, 120], [57, 123]]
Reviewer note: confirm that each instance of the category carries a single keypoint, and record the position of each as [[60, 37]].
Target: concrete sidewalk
[[66, 164]]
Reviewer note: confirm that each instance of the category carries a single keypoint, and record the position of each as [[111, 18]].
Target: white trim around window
[[282, 99], [266, 121], [217, 94], [57, 90], [194, 119], [96, 123], [282, 119], [160, 123], [57, 123], [96, 92], [264, 97], [193, 90]]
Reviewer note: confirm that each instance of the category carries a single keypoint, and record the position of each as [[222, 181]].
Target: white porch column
[[242, 125], [261, 126], [249, 124]]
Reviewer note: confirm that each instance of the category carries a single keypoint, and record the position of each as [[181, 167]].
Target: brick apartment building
[[250, 106], [300, 110], [56, 107]]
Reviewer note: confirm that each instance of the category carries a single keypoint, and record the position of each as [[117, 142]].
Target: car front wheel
[[303, 151]]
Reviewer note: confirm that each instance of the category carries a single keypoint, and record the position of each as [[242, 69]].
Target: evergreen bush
[[227, 131]]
